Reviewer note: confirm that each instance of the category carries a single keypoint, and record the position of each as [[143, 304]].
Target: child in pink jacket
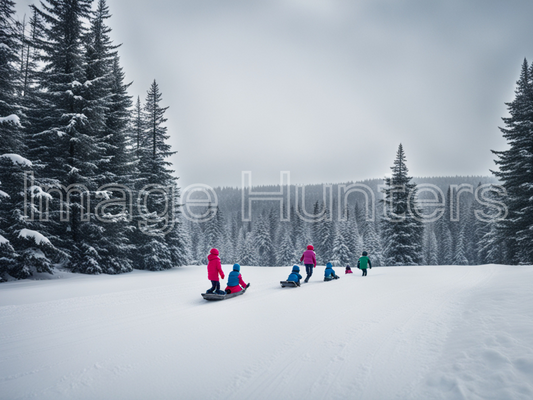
[[214, 269], [309, 259]]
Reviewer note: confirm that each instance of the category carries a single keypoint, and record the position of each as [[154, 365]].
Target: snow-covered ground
[[400, 333]]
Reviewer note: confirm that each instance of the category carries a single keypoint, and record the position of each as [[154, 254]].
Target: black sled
[[289, 284], [215, 297]]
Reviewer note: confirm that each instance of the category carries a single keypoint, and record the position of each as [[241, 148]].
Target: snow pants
[[309, 271], [216, 285], [364, 272]]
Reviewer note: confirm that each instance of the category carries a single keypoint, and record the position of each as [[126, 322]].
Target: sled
[[214, 296], [289, 284]]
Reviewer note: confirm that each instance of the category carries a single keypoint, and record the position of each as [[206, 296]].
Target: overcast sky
[[326, 89]]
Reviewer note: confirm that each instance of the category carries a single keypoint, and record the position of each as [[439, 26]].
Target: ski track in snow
[[400, 333]]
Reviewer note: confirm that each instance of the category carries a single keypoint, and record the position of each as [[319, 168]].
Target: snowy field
[[400, 333]]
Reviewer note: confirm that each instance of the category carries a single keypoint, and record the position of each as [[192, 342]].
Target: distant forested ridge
[[245, 226]]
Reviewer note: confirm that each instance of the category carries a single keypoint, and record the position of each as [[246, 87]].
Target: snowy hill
[[400, 333]]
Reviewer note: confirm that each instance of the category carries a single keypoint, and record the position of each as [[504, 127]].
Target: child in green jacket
[[364, 263]]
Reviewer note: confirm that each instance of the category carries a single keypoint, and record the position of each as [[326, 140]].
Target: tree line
[[396, 232]]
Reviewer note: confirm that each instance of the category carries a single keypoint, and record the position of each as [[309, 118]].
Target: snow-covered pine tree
[[232, 239], [300, 231], [341, 254], [195, 235], [229, 250], [286, 254], [178, 239], [215, 233], [248, 252], [401, 230], [491, 247], [263, 242], [273, 226], [355, 237], [459, 256], [430, 248], [470, 229], [23, 249], [11, 133], [515, 171], [315, 228], [108, 108], [69, 136], [323, 234], [372, 244], [138, 128], [157, 189]]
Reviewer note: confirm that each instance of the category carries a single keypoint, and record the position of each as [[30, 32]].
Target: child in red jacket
[[214, 269]]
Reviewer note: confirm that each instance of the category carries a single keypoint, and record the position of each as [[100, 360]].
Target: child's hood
[[212, 257]]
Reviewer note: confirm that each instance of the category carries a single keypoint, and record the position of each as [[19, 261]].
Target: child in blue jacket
[[235, 281], [329, 273], [295, 275]]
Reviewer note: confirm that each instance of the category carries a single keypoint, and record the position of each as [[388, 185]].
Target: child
[[295, 275], [329, 274], [309, 259], [235, 282], [214, 269], [364, 263], [348, 270]]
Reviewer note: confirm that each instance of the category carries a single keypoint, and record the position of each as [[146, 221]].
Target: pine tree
[[515, 171], [372, 244], [214, 233], [107, 108], [315, 228], [323, 235], [23, 248], [195, 236], [459, 256], [286, 254], [470, 235], [447, 247], [157, 190], [300, 230], [68, 137], [431, 248], [248, 253], [443, 233], [178, 240], [401, 230], [341, 254], [263, 242], [138, 128], [11, 133], [355, 235], [491, 247]]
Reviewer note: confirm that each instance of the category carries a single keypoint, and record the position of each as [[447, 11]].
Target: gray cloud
[[326, 89]]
